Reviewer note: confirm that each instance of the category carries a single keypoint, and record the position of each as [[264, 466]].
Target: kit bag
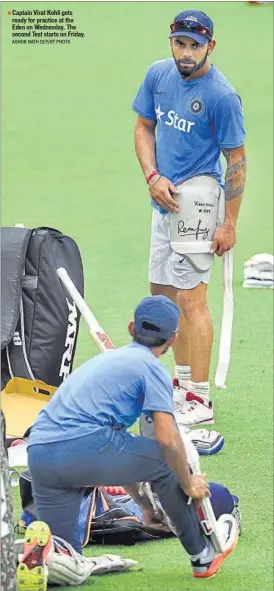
[[103, 518], [40, 321]]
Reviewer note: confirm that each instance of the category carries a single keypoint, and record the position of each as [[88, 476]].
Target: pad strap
[[192, 247]]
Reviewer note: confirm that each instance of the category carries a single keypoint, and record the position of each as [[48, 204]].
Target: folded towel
[[254, 273], [259, 271], [262, 262], [258, 283]]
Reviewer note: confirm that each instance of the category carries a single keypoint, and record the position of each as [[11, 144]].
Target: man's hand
[[198, 487], [155, 518], [223, 239], [161, 192]]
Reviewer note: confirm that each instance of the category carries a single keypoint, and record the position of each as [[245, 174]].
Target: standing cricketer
[[188, 114]]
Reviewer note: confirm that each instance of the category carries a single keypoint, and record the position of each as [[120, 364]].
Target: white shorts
[[166, 267]]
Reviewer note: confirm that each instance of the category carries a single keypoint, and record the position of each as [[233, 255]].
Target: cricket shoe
[[206, 442], [188, 413], [200, 442], [32, 571], [194, 410], [229, 530], [179, 394]]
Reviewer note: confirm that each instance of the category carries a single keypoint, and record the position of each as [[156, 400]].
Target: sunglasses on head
[[192, 26]]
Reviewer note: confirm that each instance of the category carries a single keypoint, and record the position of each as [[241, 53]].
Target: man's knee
[[166, 290], [193, 302]]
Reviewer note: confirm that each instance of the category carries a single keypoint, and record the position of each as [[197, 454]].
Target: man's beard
[[185, 71]]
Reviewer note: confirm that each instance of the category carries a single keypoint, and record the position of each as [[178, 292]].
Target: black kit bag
[[40, 321]]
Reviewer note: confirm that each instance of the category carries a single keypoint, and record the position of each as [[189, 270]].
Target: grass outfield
[[68, 162]]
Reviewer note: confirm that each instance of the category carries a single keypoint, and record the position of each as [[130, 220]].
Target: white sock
[[183, 375], [200, 389]]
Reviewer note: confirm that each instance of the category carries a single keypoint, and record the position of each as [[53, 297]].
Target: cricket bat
[[96, 331]]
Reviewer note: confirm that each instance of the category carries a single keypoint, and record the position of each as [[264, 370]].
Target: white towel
[[254, 273], [258, 283], [261, 261], [259, 271]]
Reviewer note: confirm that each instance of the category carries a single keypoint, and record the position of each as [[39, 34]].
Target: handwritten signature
[[189, 231], [201, 204]]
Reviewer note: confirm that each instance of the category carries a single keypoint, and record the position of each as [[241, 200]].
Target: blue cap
[[222, 500], [160, 312], [202, 26]]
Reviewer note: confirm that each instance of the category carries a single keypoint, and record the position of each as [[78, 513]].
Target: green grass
[[68, 162]]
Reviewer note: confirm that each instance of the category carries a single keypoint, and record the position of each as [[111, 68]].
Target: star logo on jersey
[[196, 106], [159, 113]]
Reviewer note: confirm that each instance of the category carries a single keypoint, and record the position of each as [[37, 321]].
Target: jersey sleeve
[[158, 391], [143, 103], [228, 122]]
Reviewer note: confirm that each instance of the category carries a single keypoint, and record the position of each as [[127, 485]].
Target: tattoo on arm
[[235, 174]]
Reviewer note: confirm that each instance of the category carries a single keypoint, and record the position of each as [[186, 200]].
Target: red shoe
[[32, 572]]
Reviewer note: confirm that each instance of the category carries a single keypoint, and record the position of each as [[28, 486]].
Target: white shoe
[[207, 442], [194, 411], [179, 394]]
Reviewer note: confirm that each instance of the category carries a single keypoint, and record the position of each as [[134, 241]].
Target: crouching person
[[80, 438]]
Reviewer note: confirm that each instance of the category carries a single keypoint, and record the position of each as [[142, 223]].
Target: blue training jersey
[[196, 120], [111, 390]]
